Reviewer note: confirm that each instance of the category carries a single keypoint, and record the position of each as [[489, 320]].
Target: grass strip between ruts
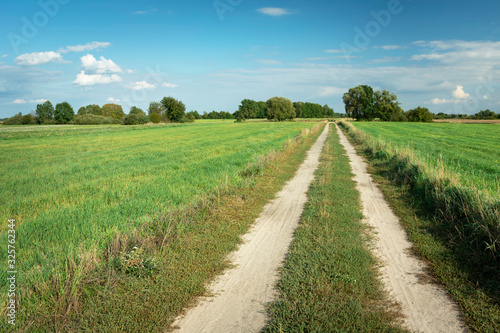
[[329, 281]]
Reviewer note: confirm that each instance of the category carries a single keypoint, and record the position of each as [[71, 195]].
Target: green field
[[74, 190], [468, 151]]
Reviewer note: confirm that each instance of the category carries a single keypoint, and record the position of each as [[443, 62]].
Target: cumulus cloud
[[39, 58], [18, 101], [42, 100], [273, 11], [391, 47], [141, 85], [83, 79], [437, 101], [459, 93], [113, 100], [5, 56], [101, 66], [85, 47], [169, 85]]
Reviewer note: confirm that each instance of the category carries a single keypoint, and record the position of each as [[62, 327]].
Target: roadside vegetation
[[119, 228], [442, 181], [329, 281]]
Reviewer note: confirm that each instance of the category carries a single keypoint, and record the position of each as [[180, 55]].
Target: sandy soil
[[241, 293], [426, 306]]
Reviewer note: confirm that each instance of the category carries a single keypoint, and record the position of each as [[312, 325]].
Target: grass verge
[[149, 274], [450, 227], [329, 281]]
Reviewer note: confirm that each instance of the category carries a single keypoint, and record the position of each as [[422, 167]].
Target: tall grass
[[83, 198]]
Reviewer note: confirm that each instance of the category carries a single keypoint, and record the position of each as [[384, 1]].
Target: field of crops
[[71, 189], [468, 151]]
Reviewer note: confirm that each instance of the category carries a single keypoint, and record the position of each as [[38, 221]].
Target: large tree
[[419, 114], [174, 109], [113, 111], [386, 106], [280, 108], [44, 111], [136, 110], [248, 109], [63, 113], [359, 103]]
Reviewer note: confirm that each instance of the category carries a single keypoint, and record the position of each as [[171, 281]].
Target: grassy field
[[329, 282], [83, 197], [469, 152], [442, 181]]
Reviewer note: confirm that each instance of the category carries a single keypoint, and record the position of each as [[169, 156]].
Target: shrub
[[15, 120], [27, 119], [155, 117], [91, 119], [135, 119]]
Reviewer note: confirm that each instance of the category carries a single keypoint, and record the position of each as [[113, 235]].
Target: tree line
[[168, 109]]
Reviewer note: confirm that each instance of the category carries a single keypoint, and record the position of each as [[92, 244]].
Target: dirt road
[[426, 306], [241, 293]]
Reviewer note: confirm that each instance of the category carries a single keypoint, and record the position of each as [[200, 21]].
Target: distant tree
[[44, 111], [82, 111], [194, 113], [485, 114], [94, 109], [63, 113], [419, 114], [14, 120], [248, 109], [328, 111], [298, 109], [136, 110], [359, 103], [135, 119], [112, 110], [261, 114], [280, 108], [174, 109], [155, 111], [386, 106], [27, 119]]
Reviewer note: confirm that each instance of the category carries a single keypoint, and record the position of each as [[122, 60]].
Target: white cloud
[[102, 66], [39, 58], [5, 56], [331, 91], [459, 93], [39, 100], [269, 61], [333, 51], [273, 11], [391, 47], [113, 100], [86, 47], [169, 85], [437, 101], [386, 59], [83, 79], [432, 56], [141, 85], [18, 101]]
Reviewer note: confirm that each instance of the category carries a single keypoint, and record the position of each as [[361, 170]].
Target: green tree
[[112, 110], [63, 113], [280, 108], [359, 103], [419, 114], [136, 110], [328, 111], [27, 119], [174, 109], [261, 114], [82, 111], [248, 109], [298, 109], [386, 106], [44, 111]]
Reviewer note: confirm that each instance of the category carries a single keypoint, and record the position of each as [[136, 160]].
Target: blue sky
[[444, 55]]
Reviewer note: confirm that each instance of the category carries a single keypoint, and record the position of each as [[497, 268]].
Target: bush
[[27, 119], [91, 119], [135, 119], [155, 118], [15, 120]]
